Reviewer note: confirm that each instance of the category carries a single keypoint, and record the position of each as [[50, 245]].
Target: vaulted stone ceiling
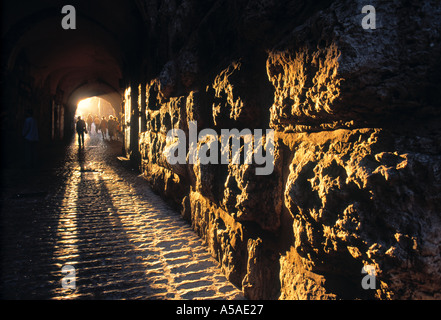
[[87, 61]]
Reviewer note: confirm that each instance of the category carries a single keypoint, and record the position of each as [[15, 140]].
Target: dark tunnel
[[330, 109], [49, 69]]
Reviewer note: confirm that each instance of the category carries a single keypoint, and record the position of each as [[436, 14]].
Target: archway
[[48, 69], [93, 110], [103, 122], [95, 106]]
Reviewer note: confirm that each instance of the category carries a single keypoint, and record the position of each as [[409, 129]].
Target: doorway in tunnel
[[100, 117]]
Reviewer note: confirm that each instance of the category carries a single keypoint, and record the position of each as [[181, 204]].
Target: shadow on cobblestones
[[103, 219], [105, 255], [30, 203]]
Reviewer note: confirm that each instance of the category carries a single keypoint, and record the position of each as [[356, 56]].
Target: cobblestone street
[[89, 210]]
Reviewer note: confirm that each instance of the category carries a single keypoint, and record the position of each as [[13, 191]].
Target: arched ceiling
[[87, 61]]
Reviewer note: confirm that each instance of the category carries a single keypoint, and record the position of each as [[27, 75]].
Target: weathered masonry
[[356, 114]]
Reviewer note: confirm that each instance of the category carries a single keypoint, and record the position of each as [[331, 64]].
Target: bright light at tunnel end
[[94, 106]]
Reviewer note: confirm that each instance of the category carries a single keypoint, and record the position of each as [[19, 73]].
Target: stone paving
[[90, 211]]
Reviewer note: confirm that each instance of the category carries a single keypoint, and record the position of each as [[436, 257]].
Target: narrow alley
[[265, 150], [96, 214]]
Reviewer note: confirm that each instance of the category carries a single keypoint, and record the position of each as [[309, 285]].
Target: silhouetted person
[[111, 126], [89, 122], [97, 122], [118, 129], [103, 127], [81, 129], [30, 135]]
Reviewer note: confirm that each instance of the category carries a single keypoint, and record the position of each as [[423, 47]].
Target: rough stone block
[[359, 198]]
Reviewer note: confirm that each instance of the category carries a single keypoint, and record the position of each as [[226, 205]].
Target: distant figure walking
[[97, 122], [30, 135], [111, 126], [81, 129], [118, 129], [89, 123], [103, 127]]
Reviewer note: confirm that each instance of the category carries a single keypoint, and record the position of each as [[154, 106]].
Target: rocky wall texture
[[357, 155]]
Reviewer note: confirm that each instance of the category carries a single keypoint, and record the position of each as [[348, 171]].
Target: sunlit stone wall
[[356, 179]]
